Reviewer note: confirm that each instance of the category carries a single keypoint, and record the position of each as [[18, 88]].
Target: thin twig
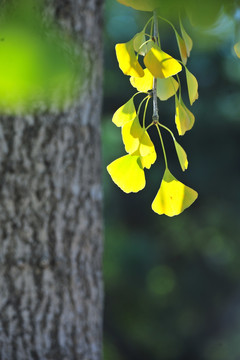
[[155, 116]]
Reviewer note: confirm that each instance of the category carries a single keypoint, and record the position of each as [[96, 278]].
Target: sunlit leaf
[[192, 85], [187, 39], [137, 142], [182, 156], [148, 160], [146, 150], [136, 139], [166, 88], [127, 173], [127, 59], [182, 48], [173, 196], [160, 64], [144, 83], [184, 119], [131, 134], [125, 113], [146, 146], [237, 49]]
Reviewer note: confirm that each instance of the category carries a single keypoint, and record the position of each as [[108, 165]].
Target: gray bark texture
[[50, 215]]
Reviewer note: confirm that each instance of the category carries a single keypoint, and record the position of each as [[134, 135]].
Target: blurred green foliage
[[172, 285], [203, 13], [37, 65]]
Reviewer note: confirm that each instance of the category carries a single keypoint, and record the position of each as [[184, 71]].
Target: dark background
[[172, 285]]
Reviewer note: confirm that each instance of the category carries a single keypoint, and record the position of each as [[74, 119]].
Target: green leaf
[[237, 49], [182, 48], [184, 119], [138, 40], [182, 156], [166, 88], [192, 85], [187, 39]]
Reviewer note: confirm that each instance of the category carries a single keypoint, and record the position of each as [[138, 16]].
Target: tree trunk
[[50, 216]]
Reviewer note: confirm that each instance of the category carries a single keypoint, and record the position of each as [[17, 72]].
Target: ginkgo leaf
[[137, 142], [144, 83], [192, 85], [148, 160], [184, 119], [131, 134], [166, 88], [173, 197], [237, 49], [140, 45], [125, 113], [182, 156], [127, 173], [182, 48], [187, 39], [146, 146], [146, 150], [127, 59], [160, 64]]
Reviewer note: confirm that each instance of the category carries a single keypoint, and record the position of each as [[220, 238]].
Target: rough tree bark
[[50, 216]]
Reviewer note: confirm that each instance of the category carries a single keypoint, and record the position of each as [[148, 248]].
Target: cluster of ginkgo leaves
[[156, 71]]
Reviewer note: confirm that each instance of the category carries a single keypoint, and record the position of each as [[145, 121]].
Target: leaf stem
[[145, 111], [163, 147], [139, 107], [166, 128], [151, 19], [152, 123], [145, 42], [180, 87]]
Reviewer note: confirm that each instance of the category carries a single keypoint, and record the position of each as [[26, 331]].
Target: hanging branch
[[155, 116]]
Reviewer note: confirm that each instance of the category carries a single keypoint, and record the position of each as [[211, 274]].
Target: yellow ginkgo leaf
[[192, 85], [237, 49], [131, 134], [187, 39], [144, 83], [125, 113], [148, 160], [166, 88], [127, 59], [182, 156], [146, 146], [182, 48], [127, 173], [160, 64], [146, 150], [173, 196], [184, 119]]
